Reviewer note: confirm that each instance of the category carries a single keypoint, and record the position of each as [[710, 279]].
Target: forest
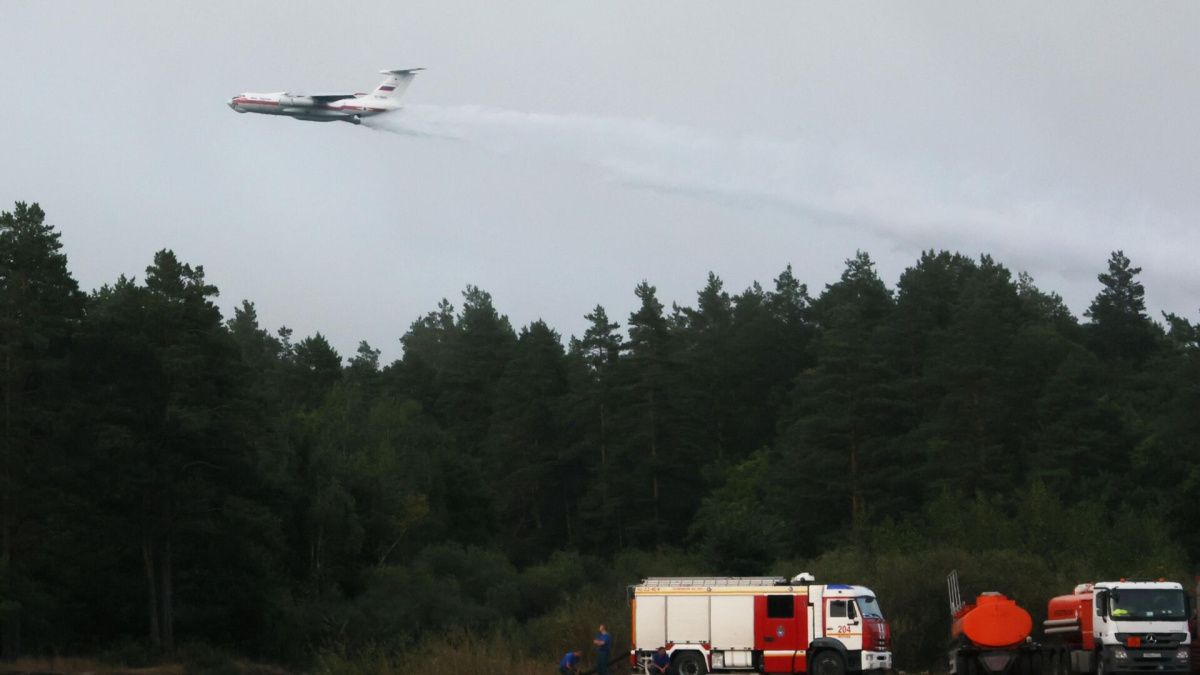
[[177, 481]]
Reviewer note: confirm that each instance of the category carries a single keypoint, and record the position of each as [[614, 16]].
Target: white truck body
[[758, 624]]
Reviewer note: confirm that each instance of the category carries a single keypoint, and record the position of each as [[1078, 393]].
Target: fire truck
[[1126, 626], [759, 625]]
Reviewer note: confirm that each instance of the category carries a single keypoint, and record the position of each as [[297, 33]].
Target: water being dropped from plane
[[640, 153], [911, 203], [816, 182]]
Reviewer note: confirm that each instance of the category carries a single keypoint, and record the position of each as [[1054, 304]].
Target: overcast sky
[[557, 153]]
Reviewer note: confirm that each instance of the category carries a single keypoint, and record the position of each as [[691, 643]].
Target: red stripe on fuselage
[[321, 106]]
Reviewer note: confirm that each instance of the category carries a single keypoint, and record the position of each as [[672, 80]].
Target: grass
[[464, 655], [70, 665], [460, 653]]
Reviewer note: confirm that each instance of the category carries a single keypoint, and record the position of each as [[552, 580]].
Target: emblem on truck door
[[779, 631]]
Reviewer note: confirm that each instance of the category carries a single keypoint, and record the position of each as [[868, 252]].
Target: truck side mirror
[[1102, 603]]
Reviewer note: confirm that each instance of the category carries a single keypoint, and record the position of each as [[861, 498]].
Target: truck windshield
[[869, 608], [1147, 604]]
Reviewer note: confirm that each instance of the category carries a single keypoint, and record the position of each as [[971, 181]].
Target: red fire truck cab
[[758, 624]]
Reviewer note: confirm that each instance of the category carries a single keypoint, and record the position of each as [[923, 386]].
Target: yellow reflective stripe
[[701, 591]]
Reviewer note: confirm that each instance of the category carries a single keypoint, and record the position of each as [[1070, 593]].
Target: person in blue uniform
[[570, 663], [603, 642], [660, 662]]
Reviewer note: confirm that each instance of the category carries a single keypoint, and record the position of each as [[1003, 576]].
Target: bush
[[131, 653], [457, 653], [203, 659]]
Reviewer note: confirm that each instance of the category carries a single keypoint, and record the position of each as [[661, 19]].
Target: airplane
[[350, 108]]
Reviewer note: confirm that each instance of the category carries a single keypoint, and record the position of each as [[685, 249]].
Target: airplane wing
[[330, 98]]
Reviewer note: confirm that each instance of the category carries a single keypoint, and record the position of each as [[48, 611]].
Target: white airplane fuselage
[[329, 107], [305, 108]]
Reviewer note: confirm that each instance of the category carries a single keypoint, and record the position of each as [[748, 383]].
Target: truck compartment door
[[732, 619], [780, 631], [687, 619], [650, 619]]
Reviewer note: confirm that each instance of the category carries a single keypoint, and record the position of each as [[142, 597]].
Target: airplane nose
[[232, 103]]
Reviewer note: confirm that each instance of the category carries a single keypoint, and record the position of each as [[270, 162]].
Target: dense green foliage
[[169, 475]]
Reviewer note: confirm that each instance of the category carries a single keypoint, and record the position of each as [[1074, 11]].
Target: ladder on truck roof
[[685, 582], [956, 601]]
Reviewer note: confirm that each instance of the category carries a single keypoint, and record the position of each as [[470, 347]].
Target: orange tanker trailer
[[990, 635]]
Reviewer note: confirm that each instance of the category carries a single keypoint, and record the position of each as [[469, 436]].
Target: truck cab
[[1140, 626], [1126, 626], [853, 624]]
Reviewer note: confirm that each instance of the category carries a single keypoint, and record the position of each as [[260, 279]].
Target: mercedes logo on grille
[[1150, 639]]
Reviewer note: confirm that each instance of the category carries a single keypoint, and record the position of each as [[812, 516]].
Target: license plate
[[1151, 655]]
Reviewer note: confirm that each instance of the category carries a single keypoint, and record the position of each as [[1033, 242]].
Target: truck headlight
[[1120, 654], [1182, 653]]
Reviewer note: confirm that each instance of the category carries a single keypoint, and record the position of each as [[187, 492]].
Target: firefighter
[[660, 662], [603, 642], [570, 663]]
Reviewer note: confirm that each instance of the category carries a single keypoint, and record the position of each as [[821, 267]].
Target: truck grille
[[1154, 640]]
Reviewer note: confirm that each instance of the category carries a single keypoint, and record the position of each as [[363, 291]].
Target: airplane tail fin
[[390, 90]]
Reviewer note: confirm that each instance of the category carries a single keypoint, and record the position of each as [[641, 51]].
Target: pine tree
[[708, 375], [844, 409], [592, 368], [1119, 326], [648, 368], [537, 484], [363, 368], [975, 428], [170, 420], [477, 353], [600, 345], [314, 368], [427, 347], [40, 308]]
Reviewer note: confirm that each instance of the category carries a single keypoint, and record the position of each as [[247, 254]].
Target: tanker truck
[[1126, 626], [990, 635]]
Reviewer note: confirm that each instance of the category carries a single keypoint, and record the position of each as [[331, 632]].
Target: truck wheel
[[828, 663], [690, 663], [1100, 668]]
